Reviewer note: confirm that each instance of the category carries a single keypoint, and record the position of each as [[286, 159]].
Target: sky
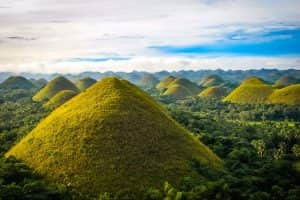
[[72, 36]]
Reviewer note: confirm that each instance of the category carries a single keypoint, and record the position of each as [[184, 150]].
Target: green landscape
[[149, 100], [149, 138]]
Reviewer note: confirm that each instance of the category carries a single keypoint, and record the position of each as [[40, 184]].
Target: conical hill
[[289, 95], [211, 80], [112, 136], [16, 82], [286, 81], [85, 83], [253, 90], [60, 98], [53, 87]]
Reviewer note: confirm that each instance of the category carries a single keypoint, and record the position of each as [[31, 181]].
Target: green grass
[[53, 87], [163, 84], [85, 83], [211, 80], [180, 88], [110, 137], [16, 82], [289, 95], [60, 98], [213, 92], [253, 90]]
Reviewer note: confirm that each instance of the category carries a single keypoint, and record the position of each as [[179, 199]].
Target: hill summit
[[180, 88], [112, 136], [16, 82], [53, 87], [211, 80], [213, 92], [148, 81], [252, 90]]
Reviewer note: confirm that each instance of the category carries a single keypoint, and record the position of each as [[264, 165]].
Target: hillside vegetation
[[60, 98], [289, 95], [16, 82], [286, 81], [148, 81], [180, 88], [111, 137], [85, 83], [253, 90], [213, 92], [53, 87], [211, 80], [163, 84]]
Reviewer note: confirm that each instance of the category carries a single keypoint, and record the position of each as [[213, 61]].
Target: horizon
[[75, 36]]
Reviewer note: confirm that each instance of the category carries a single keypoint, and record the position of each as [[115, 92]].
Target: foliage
[[80, 143], [53, 87]]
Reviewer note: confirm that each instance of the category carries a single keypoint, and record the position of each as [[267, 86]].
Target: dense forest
[[259, 145]]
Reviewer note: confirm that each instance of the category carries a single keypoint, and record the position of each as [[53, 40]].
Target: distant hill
[[60, 98], [286, 81], [213, 92], [252, 90], [113, 137], [289, 95], [39, 83], [148, 81], [180, 88], [211, 80], [16, 82], [85, 83], [53, 87], [164, 83]]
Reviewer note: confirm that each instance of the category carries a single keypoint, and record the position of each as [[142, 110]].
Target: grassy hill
[[252, 90], [180, 88], [16, 82], [60, 98], [163, 84], [211, 80], [85, 83], [286, 81], [289, 95], [148, 81], [110, 137], [53, 87], [213, 92]]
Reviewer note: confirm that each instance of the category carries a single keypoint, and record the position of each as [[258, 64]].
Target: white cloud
[[78, 28]]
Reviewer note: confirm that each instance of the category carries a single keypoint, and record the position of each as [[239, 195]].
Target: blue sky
[[72, 36], [282, 42]]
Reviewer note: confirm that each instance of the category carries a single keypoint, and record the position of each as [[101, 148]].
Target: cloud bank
[[77, 35]]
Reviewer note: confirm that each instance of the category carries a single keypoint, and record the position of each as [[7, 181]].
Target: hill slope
[[289, 95], [180, 88], [16, 82], [213, 92], [211, 80], [286, 81], [252, 90], [110, 137], [163, 84], [53, 87], [60, 98], [148, 81], [85, 83]]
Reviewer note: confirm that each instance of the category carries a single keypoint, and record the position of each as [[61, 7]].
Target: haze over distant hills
[[235, 76]]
